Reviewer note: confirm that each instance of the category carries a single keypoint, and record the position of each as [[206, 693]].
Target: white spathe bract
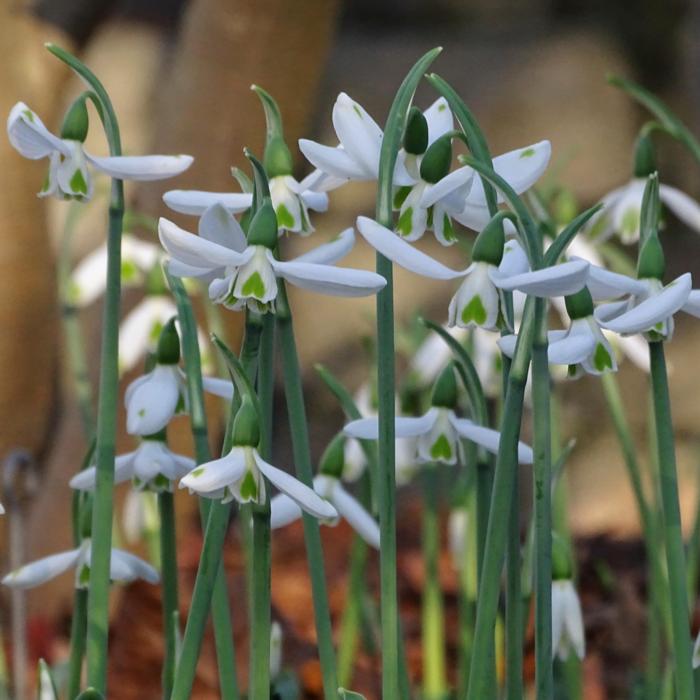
[[244, 275], [69, 177], [650, 312], [153, 399], [567, 621], [437, 433], [124, 567], [622, 210], [520, 168], [284, 510], [89, 278], [476, 302], [151, 466], [240, 475]]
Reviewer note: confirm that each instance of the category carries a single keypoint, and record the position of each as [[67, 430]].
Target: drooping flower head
[[68, 175], [567, 620]]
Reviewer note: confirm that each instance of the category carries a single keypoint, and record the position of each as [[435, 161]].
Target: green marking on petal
[[254, 286], [130, 271], [442, 107], [29, 114], [197, 472], [400, 196], [405, 223], [601, 358], [154, 333], [527, 153], [249, 489], [77, 182], [357, 110], [441, 448], [474, 311], [630, 222], [160, 482], [284, 217], [84, 576], [448, 231]]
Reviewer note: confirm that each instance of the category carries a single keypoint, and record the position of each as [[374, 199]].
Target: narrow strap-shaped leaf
[[238, 374], [562, 241]]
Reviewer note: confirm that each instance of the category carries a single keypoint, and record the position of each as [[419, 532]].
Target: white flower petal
[[692, 305], [140, 329], [557, 280], [328, 279], [316, 201], [143, 168], [520, 168], [89, 278], [151, 404], [604, 284], [476, 302], [42, 570], [462, 177], [487, 438], [306, 498], [331, 160], [197, 251], [219, 226], [331, 252], [514, 261], [402, 253], [29, 136], [683, 206], [216, 474], [368, 428], [656, 309], [283, 511], [573, 349], [126, 567], [123, 470], [358, 133], [359, 519], [196, 202], [439, 118], [218, 387]]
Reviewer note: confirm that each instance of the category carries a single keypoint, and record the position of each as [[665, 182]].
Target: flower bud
[[445, 389], [437, 160], [562, 566], [76, 122], [489, 244], [644, 157], [277, 158], [262, 229], [651, 263], [415, 138], [168, 351], [579, 305], [246, 427], [333, 458]]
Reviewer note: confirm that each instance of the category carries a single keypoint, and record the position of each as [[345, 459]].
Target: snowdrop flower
[[244, 273], [520, 168], [124, 567], [140, 516], [567, 621], [150, 467], [457, 530], [583, 346], [327, 484], [68, 176], [275, 650], [651, 307], [153, 399], [355, 460], [439, 430], [477, 301], [240, 475], [89, 277]]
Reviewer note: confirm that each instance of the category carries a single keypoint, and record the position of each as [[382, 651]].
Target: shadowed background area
[[179, 73]]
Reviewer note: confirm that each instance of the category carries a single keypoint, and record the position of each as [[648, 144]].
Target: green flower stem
[[261, 553], [296, 409], [352, 615], [168, 563], [434, 680], [543, 505], [207, 575], [501, 499], [673, 536], [221, 612], [72, 331], [77, 643], [514, 598]]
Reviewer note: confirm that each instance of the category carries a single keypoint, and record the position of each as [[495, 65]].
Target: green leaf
[[238, 373], [349, 695], [561, 242]]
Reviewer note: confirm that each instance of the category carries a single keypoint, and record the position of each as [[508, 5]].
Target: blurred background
[[179, 73]]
